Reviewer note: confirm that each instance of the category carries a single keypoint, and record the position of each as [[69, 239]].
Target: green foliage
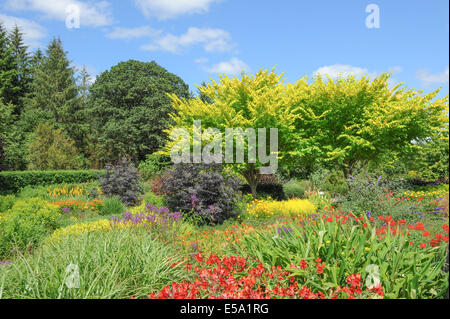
[[153, 165], [331, 181], [54, 94], [129, 108], [51, 149], [6, 121], [155, 200], [347, 121], [372, 194], [321, 200], [13, 181], [253, 101], [405, 271], [296, 188], [8, 71], [112, 206], [25, 224], [23, 78], [6, 202], [115, 264], [122, 180]]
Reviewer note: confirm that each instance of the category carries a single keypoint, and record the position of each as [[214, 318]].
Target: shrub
[[156, 200], [274, 191], [203, 190], [13, 181], [373, 195], [153, 165], [6, 202], [112, 206], [289, 208], [157, 184], [25, 224], [122, 180], [115, 264], [332, 181], [296, 189]]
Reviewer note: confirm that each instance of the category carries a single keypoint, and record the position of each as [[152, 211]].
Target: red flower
[[422, 245], [303, 264]]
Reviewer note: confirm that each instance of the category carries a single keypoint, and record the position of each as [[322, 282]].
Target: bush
[[115, 264], [373, 195], [13, 181], [274, 191], [25, 224], [112, 206], [122, 180], [296, 189], [203, 190], [153, 165], [6, 202], [155, 200], [332, 181], [289, 208]]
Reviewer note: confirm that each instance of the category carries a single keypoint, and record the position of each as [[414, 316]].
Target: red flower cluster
[[234, 278]]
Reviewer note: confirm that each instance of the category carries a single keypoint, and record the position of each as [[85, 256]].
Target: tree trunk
[[251, 175]]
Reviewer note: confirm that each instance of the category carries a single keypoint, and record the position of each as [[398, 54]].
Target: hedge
[[273, 190], [13, 181]]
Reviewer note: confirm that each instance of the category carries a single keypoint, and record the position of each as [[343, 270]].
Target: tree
[[202, 96], [8, 72], [6, 120], [347, 121], [129, 108], [22, 62], [52, 149], [252, 102], [54, 93]]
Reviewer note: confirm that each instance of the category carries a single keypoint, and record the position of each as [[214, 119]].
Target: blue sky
[[198, 39]]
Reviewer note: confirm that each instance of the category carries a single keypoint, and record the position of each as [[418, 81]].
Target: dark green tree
[[8, 71], [129, 108], [22, 61], [54, 93]]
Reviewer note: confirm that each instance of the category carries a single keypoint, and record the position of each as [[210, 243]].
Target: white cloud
[[211, 39], [395, 69], [428, 78], [165, 9], [201, 60], [91, 14], [231, 67], [33, 33], [130, 33], [341, 70]]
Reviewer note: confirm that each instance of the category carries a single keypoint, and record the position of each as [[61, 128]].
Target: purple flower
[[368, 214], [379, 177], [66, 210]]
